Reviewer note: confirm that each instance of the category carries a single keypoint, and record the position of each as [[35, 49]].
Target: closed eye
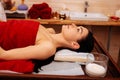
[[80, 29]]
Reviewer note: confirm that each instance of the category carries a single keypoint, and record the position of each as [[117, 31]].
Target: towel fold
[[22, 66]]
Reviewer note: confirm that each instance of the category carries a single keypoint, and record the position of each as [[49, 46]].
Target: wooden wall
[[108, 7]]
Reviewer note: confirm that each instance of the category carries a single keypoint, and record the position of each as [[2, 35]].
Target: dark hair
[[87, 44]]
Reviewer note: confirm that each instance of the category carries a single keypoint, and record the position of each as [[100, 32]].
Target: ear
[[75, 45]]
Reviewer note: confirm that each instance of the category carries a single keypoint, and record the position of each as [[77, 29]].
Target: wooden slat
[[112, 66], [118, 58]]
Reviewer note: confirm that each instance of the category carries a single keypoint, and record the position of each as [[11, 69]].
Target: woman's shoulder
[[48, 45]]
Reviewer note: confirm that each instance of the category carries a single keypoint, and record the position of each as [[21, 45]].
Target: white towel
[[62, 68]]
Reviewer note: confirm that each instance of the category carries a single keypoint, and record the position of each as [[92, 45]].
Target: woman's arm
[[41, 51]]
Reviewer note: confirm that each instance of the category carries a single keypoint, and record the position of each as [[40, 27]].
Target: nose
[[73, 25]]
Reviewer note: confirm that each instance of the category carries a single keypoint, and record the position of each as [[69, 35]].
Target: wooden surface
[[112, 73], [78, 22]]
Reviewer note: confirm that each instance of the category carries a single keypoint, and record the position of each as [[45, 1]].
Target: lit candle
[[95, 70]]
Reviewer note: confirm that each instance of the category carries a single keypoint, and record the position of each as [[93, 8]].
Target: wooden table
[[112, 73], [80, 22]]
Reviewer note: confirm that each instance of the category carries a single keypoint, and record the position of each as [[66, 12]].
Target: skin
[[47, 41]]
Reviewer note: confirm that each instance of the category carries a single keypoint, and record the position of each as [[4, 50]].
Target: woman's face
[[73, 32]]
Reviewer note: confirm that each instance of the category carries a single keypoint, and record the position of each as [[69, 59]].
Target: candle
[[95, 70]]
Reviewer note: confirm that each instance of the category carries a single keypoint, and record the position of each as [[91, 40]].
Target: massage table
[[112, 73]]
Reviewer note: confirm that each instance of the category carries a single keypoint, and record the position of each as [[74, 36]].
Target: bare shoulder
[[48, 46]]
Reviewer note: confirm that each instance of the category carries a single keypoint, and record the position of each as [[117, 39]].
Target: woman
[[23, 39]]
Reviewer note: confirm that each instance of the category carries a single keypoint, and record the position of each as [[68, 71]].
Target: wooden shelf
[[78, 22]]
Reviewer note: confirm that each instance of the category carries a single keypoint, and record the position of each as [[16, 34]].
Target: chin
[[62, 29]]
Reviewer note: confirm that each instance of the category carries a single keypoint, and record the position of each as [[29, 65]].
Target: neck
[[59, 40]]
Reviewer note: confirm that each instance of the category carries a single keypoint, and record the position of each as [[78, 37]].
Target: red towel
[[40, 6], [33, 13], [42, 11], [45, 13], [22, 66], [16, 34]]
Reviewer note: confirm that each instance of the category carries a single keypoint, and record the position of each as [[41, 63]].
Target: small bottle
[[22, 6], [2, 13]]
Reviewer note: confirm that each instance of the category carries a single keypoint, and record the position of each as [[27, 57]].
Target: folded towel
[[42, 11], [40, 6], [33, 13], [45, 13]]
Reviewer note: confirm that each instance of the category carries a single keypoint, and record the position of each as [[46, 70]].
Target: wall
[[108, 7]]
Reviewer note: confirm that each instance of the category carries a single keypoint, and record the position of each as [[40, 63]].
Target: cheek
[[79, 37]]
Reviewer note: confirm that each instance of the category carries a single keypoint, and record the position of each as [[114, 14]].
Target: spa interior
[[102, 17]]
